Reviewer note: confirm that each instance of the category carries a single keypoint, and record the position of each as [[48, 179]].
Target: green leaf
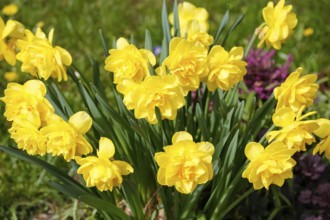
[[60, 175], [148, 41], [224, 22], [165, 24], [177, 32], [202, 123], [232, 27], [100, 204], [104, 43]]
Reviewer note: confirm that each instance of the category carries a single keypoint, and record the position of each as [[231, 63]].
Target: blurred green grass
[[77, 23]]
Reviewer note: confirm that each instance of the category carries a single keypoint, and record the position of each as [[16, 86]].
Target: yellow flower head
[[66, 138], [185, 164], [308, 32], [10, 9], [40, 58], [9, 34], [278, 26], [27, 101], [128, 62], [270, 165], [162, 92], [324, 133], [296, 91], [188, 12], [295, 133], [225, 68], [195, 35], [103, 171], [187, 61], [11, 76], [27, 136]]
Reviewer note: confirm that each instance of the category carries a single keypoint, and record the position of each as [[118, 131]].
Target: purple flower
[[262, 73], [322, 195], [305, 196], [311, 166]]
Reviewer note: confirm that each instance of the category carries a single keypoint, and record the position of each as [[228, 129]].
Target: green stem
[[249, 46], [237, 201], [263, 139]]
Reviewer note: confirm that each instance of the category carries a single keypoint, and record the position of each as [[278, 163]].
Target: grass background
[[24, 192]]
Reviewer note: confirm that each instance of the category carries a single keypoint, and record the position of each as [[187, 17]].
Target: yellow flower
[[11, 76], [40, 58], [296, 91], [295, 133], [66, 138], [195, 35], [188, 12], [27, 101], [324, 133], [270, 165], [187, 61], [225, 68], [27, 136], [103, 171], [278, 26], [162, 92], [9, 33], [308, 32], [185, 164], [128, 62], [10, 9]]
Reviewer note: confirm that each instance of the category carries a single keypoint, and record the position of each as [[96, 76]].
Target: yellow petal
[[121, 43], [14, 29], [252, 150], [283, 117], [106, 148], [81, 121], [181, 136], [324, 129]]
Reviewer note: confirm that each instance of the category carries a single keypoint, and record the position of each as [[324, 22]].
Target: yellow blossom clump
[[66, 138], [128, 62], [11, 76], [40, 58], [270, 165], [27, 101], [185, 164], [308, 32], [195, 35], [10, 9], [296, 91], [27, 136], [162, 92], [9, 34], [324, 133], [295, 133], [103, 171], [279, 24], [225, 68], [188, 12], [187, 61]]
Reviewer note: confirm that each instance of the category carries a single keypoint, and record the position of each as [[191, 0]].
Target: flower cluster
[[10, 32], [102, 171], [40, 58], [293, 95], [189, 14], [270, 165], [187, 65], [185, 164], [279, 24], [37, 129]]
